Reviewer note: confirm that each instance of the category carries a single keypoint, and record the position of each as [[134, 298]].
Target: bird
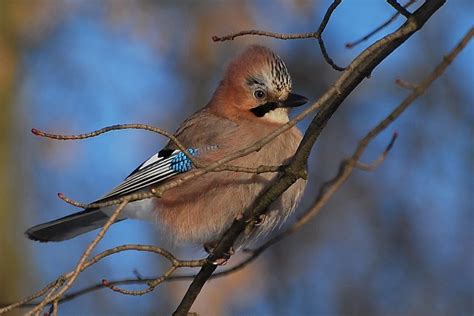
[[253, 99]]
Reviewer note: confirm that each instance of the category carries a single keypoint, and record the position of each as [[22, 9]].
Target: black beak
[[293, 100]]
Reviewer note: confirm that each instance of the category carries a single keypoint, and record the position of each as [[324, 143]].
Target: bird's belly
[[201, 213]]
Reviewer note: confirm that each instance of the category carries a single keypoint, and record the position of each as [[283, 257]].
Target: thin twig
[[72, 202], [30, 298], [135, 247], [51, 292], [55, 309], [281, 36], [116, 127], [320, 31], [405, 84], [377, 162], [137, 274], [400, 9], [316, 35], [151, 284], [82, 261], [258, 170], [379, 28]]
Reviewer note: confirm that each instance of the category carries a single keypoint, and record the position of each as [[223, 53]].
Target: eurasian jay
[[252, 100]]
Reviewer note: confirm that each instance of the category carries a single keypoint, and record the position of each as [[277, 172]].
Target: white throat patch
[[278, 115]]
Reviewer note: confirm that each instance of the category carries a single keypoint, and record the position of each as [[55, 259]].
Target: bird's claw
[[259, 221], [225, 257], [209, 247]]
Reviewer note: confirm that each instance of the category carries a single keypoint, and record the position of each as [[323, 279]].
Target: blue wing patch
[[180, 163], [155, 170]]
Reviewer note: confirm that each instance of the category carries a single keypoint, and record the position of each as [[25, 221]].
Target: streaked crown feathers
[[259, 66]]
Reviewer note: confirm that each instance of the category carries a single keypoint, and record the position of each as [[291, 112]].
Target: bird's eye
[[259, 94]]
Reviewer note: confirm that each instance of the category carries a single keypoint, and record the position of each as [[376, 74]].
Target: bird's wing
[[202, 133], [156, 169]]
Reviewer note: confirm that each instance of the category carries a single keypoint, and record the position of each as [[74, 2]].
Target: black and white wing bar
[[152, 171]]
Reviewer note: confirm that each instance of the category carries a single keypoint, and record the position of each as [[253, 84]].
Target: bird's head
[[256, 86]]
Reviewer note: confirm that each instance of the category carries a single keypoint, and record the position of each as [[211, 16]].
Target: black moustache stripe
[[263, 109]]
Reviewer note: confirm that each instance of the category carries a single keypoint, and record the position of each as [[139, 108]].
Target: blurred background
[[397, 241]]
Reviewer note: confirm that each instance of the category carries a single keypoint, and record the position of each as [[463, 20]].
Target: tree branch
[[331, 100]]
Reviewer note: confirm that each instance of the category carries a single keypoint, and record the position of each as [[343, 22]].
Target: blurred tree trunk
[[11, 266]]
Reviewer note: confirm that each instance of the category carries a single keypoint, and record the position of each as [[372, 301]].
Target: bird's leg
[[254, 222], [260, 220], [230, 252], [225, 257]]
